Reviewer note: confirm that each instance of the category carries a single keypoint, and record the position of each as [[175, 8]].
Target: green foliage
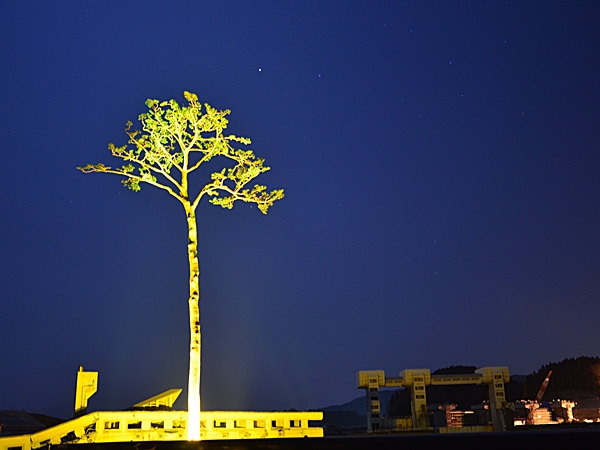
[[174, 141]]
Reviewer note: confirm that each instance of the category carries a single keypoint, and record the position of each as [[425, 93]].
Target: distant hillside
[[359, 404], [572, 378], [518, 378]]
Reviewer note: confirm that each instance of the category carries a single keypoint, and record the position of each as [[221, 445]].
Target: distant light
[[260, 70]]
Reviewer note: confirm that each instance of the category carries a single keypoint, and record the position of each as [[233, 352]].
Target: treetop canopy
[[174, 141]]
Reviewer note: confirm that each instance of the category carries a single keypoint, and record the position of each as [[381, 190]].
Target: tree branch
[[101, 168]]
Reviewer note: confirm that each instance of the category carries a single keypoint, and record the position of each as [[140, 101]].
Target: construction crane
[[538, 399], [543, 387]]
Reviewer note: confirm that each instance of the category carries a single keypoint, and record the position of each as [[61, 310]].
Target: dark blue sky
[[440, 162]]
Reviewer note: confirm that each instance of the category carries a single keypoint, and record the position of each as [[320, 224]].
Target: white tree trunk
[[193, 425]]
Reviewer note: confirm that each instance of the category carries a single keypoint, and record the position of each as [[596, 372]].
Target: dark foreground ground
[[560, 439]]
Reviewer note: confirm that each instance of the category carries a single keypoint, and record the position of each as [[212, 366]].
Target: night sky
[[440, 162]]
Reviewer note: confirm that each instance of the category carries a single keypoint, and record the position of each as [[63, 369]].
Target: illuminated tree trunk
[[193, 424]]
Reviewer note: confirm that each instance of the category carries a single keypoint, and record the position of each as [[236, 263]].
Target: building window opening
[[181, 424], [111, 425], [134, 425]]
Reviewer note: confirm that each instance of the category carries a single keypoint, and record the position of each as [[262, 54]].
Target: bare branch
[[132, 181]]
